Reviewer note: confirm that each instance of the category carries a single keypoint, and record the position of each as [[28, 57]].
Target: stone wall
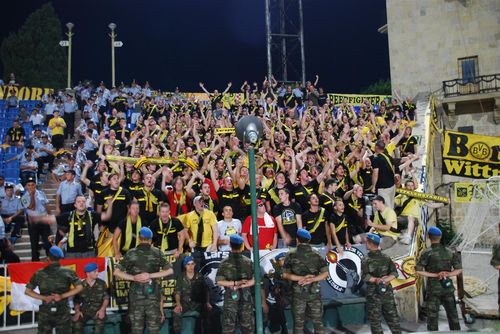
[[426, 37]]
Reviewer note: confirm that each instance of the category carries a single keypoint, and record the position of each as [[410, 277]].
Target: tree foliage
[[381, 87], [33, 53]]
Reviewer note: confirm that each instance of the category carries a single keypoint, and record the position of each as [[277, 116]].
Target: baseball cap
[[375, 238]]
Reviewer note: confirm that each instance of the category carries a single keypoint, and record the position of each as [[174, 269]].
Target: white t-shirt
[[226, 229]]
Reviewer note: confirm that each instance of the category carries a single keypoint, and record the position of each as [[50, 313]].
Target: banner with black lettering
[[471, 155], [355, 99], [24, 93]]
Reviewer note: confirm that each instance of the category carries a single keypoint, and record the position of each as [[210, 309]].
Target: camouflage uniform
[[90, 300], [377, 264], [435, 259], [306, 299], [193, 294], [239, 304], [144, 299], [495, 261], [54, 279]]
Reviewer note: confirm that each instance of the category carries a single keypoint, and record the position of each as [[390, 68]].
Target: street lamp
[[249, 130], [70, 34], [112, 27]]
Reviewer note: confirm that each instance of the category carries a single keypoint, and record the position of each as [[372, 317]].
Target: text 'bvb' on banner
[[471, 155]]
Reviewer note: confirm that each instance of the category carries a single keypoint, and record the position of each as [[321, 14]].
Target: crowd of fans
[[319, 166]]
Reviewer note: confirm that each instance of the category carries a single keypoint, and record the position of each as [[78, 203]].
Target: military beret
[[235, 239], [145, 232], [302, 233], [280, 256], [375, 238], [187, 259], [56, 252], [435, 231], [90, 267]]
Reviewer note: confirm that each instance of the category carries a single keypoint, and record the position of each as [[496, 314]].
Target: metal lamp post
[[112, 27], [70, 34], [249, 130]]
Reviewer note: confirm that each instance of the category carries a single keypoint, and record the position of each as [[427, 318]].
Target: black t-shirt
[[327, 201], [365, 178], [288, 216], [132, 186], [322, 99], [301, 193], [97, 188], [341, 226], [408, 144], [231, 198], [135, 233], [351, 210], [170, 229], [82, 231], [315, 223], [15, 134], [120, 103], [149, 205], [120, 205], [383, 162]]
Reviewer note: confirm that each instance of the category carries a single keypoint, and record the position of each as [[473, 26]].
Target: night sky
[[179, 43]]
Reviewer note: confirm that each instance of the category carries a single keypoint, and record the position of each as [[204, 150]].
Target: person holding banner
[[54, 283], [144, 266], [377, 271], [91, 302], [305, 268]]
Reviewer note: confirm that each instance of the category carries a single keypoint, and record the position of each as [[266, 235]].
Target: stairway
[[22, 246]]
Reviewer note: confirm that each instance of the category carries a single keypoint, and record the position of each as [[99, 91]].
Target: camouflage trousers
[[238, 314], [58, 320], [378, 305], [79, 326], [434, 300], [311, 306], [145, 311]]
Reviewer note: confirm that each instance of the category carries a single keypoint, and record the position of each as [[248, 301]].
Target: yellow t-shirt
[[389, 216], [412, 209], [192, 221], [56, 130]]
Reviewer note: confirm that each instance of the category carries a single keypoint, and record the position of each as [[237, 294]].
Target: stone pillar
[[452, 118], [496, 110]]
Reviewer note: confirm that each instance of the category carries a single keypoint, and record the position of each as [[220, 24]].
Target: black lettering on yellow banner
[[24, 93], [354, 99], [471, 155]]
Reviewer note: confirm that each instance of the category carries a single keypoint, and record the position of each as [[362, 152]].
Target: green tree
[[33, 53], [381, 87]]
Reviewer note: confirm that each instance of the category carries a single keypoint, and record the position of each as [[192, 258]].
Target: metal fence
[[477, 85]]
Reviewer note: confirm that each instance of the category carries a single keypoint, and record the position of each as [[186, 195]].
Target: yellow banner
[[470, 155], [355, 99], [466, 192], [24, 93]]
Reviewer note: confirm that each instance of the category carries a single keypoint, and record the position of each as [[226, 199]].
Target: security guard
[[438, 264], [91, 303], [235, 274], [191, 296], [55, 284], [144, 265], [305, 268], [377, 271]]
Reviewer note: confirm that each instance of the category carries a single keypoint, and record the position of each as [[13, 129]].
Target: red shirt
[[266, 234]]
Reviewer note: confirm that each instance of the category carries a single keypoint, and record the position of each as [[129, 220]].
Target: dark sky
[[182, 42]]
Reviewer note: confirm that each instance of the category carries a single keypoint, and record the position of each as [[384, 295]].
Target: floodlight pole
[[113, 35], [70, 34]]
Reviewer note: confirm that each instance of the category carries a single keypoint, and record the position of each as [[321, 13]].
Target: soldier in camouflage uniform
[[191, 295], [91, 303], [378, 270], [438, 263], [54, 283], [305, 268], [235, 274], [495, 262], [144, 265]]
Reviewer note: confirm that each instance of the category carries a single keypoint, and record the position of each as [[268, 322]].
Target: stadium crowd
[[170, 162]]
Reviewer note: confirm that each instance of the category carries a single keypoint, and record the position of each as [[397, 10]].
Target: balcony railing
[[477, 85]]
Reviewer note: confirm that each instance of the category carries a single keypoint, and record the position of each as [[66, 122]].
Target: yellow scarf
[[128, 233], [164, 239], [179, 202], [150, 200]]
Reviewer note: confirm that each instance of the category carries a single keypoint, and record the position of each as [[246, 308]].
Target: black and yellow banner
[[24, 93], [471, 155], [355, 99]]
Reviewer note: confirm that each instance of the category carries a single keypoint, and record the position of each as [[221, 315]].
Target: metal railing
[[478, 85]]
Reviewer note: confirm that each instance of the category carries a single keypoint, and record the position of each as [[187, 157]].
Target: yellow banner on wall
[[355, 99], [470, 155], [466, 192], [24, 93]]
